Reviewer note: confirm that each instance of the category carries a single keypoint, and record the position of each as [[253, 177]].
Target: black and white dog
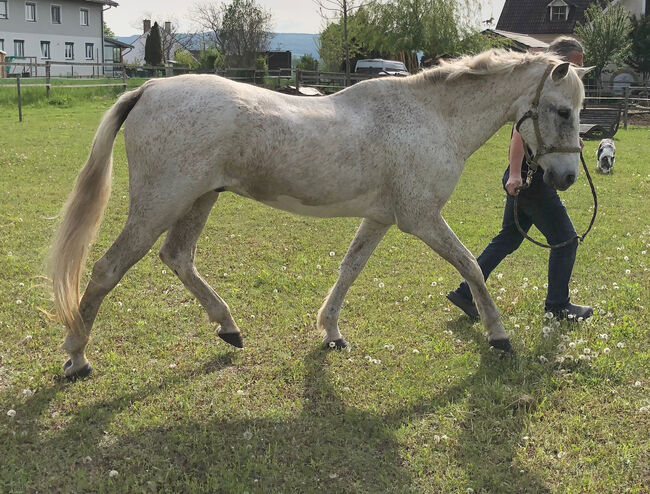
[[606, 155]]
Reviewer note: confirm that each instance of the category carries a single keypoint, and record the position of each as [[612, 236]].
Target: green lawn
[[420, 403]]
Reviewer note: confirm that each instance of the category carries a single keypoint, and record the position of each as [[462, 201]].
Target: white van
[[379, 66]]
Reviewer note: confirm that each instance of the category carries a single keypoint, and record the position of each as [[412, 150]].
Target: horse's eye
[[564, 113]]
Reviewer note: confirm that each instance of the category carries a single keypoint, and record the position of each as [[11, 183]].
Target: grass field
[[419, 404]]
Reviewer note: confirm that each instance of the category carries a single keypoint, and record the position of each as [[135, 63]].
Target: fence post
[[47, 78], [124, 76], [20, 103], [626, 91], [298, 80]]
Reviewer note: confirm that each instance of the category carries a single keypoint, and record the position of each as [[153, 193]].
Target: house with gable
[[540, 22], [56, 30]]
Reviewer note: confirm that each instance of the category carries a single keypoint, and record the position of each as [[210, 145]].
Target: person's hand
[[513, 184], [582, 143]]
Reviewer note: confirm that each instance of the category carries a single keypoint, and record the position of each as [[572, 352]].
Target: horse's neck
[[479, 106]]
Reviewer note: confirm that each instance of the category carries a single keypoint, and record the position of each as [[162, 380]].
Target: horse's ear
[[583, 71], [560, 71]]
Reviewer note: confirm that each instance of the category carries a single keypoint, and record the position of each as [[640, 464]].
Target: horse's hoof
[[339, 344], [233, 339], [503, 345], [85, 371]]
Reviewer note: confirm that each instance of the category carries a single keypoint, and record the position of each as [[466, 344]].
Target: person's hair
[[564, 45]]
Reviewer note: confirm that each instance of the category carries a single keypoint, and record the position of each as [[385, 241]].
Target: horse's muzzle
[[559, 181]]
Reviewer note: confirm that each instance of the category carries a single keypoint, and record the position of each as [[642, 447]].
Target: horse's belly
[[358, 207]]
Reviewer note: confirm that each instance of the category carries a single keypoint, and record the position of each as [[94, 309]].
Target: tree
[[342, 9], [640, 50], [240, 30], [108, 32], [605, 35], [153, 47], [307, 62]]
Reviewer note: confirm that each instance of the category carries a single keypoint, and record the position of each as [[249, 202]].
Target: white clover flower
[[434, 283], [637, 384], [113, 473], [18, 302], [333, 475], [332, 344], [499, 276], [543, 359], [436, 438], [535, 288], [332, 254], [406, 298], [583, 357], [586, 351], [561, 454], [620, 344], [11, 413], [627, 271], [381, 285], [319, 267], [390, 347], [27, 392], [275, 290], [248, 435], [559, 359], [626, 258], [415, 350], [172, 365], [603, 336]]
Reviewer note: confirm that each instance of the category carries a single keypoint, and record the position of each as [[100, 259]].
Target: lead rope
[[529, 179]]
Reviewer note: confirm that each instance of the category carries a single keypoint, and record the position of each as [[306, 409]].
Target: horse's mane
[[486, 63], [491, 62]]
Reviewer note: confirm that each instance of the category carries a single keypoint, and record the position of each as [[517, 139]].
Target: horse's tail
[[83, 214]]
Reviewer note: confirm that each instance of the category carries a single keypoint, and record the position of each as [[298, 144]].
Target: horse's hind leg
[[131, 245], [436, 233], [368, 236], [178, 253]]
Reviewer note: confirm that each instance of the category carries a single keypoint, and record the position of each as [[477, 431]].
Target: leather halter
[[542, 149], [533, 114]]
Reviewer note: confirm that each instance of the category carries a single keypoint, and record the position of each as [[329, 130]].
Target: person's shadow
[[327, 447]]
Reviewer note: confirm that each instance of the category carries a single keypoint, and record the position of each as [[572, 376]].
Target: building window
[[69, 51], [90, 48], [19, 47], [30, 11], [3, 9], [2, 44], [45, 49], [56, 14], [83, 17], [559, 13]]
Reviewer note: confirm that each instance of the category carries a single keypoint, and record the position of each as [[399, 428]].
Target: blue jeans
[[541, 206]]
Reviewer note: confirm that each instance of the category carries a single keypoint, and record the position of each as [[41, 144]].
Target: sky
[[289, 16]]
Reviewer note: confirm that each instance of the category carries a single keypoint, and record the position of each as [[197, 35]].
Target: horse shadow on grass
[[326, 447]]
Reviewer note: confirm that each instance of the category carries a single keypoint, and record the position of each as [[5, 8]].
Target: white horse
[[389, 151]]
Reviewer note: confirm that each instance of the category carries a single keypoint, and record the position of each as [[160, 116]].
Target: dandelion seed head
[[113, 473], [620, 344], [332, 254], [11, 413]]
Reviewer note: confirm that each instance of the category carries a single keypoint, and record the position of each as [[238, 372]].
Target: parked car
[[378, 66]]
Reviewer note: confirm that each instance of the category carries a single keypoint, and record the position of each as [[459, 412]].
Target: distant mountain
[[297, 43]]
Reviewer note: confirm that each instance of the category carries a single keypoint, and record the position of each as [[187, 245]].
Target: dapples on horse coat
[[389, 151]]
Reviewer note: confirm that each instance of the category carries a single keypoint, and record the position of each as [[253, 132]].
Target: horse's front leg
[[368, 236], [435, 232]]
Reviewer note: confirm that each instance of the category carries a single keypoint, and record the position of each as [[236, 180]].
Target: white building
[[169, 44], [69, 31]]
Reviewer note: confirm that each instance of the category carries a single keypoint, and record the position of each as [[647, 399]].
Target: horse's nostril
[[570, 179]]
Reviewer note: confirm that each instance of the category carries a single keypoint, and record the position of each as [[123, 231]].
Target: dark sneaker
[[573, 312], [463, 303]]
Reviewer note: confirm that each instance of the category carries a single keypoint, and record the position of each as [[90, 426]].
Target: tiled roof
[[532, 17]]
